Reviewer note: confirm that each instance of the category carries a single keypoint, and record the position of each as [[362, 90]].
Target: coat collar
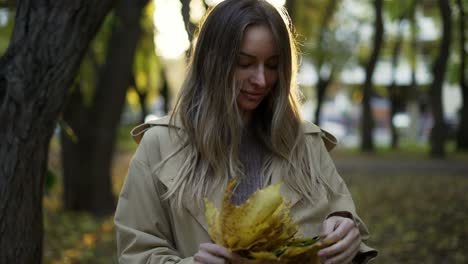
[[138, 131], [171, 168], [309, 128]]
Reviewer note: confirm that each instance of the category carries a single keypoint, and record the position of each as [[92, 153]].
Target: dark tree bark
[[392, 89], [189, 26], [87, 163], [462, 138], [367, 120], [322, 85], [142, 95], [207, 7], [165, 93], [438, 133], [48, 43], [414, 46]]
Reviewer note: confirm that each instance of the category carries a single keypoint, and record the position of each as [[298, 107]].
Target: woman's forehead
[[258, 40]]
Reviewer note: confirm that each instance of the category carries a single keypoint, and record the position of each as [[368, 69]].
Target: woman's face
[[257, 68]]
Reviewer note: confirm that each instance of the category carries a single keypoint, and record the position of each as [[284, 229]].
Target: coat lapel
[[277, 172], [166, 175]]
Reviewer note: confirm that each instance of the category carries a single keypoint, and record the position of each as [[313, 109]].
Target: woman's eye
[[272, 66], [243, 64]]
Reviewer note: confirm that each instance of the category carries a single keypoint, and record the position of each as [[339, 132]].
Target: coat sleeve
[[142, 224], [341, 203]]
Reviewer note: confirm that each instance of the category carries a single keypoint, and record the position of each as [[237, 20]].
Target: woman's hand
[[344, 231], [209, 253]]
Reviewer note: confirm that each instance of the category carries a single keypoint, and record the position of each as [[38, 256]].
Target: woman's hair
[[208, 111]]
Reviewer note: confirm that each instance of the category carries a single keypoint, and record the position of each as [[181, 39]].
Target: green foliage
[[453, 71], [397, 8], [7, 18]]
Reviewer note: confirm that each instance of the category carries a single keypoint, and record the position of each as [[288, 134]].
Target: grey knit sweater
[[252, 155]]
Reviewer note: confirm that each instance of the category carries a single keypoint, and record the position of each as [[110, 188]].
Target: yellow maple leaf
[[260, 229]]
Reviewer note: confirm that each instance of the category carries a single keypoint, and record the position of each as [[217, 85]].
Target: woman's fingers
[[344, 232], [204, 257], [344, 257], [212, 253], [336, 227], [328, 226], [342, 244]]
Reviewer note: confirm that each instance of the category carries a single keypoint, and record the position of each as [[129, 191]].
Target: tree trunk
[[392, 89], [74, 116], [438, 133], [48, 43], [189, 26], [207, 7], [367, 120], [142, 95], [87, 163], [413, 92], [323, 82], [164, 92], [322, 86], [462, 139]]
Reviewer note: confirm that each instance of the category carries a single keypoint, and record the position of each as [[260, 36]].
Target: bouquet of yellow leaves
[[260, 229]]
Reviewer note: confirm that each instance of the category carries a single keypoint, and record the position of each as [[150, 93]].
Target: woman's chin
[[248, 104], [248, 107]]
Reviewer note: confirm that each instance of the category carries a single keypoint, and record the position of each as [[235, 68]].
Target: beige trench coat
[[152, 230]]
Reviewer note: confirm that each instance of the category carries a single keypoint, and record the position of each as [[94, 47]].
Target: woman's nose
[[258, 77]]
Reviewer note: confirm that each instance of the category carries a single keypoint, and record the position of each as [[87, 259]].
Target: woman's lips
[[252, 95]]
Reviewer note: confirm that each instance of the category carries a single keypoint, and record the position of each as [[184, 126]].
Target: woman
[[237, 115]]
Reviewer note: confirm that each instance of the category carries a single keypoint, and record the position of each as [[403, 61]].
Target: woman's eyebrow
[[253, 56], [246, 54]]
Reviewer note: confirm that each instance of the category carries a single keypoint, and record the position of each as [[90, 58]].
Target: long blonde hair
[[209, 114]]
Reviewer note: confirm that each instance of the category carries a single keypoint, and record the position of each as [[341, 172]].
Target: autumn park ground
[[416, 208]]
